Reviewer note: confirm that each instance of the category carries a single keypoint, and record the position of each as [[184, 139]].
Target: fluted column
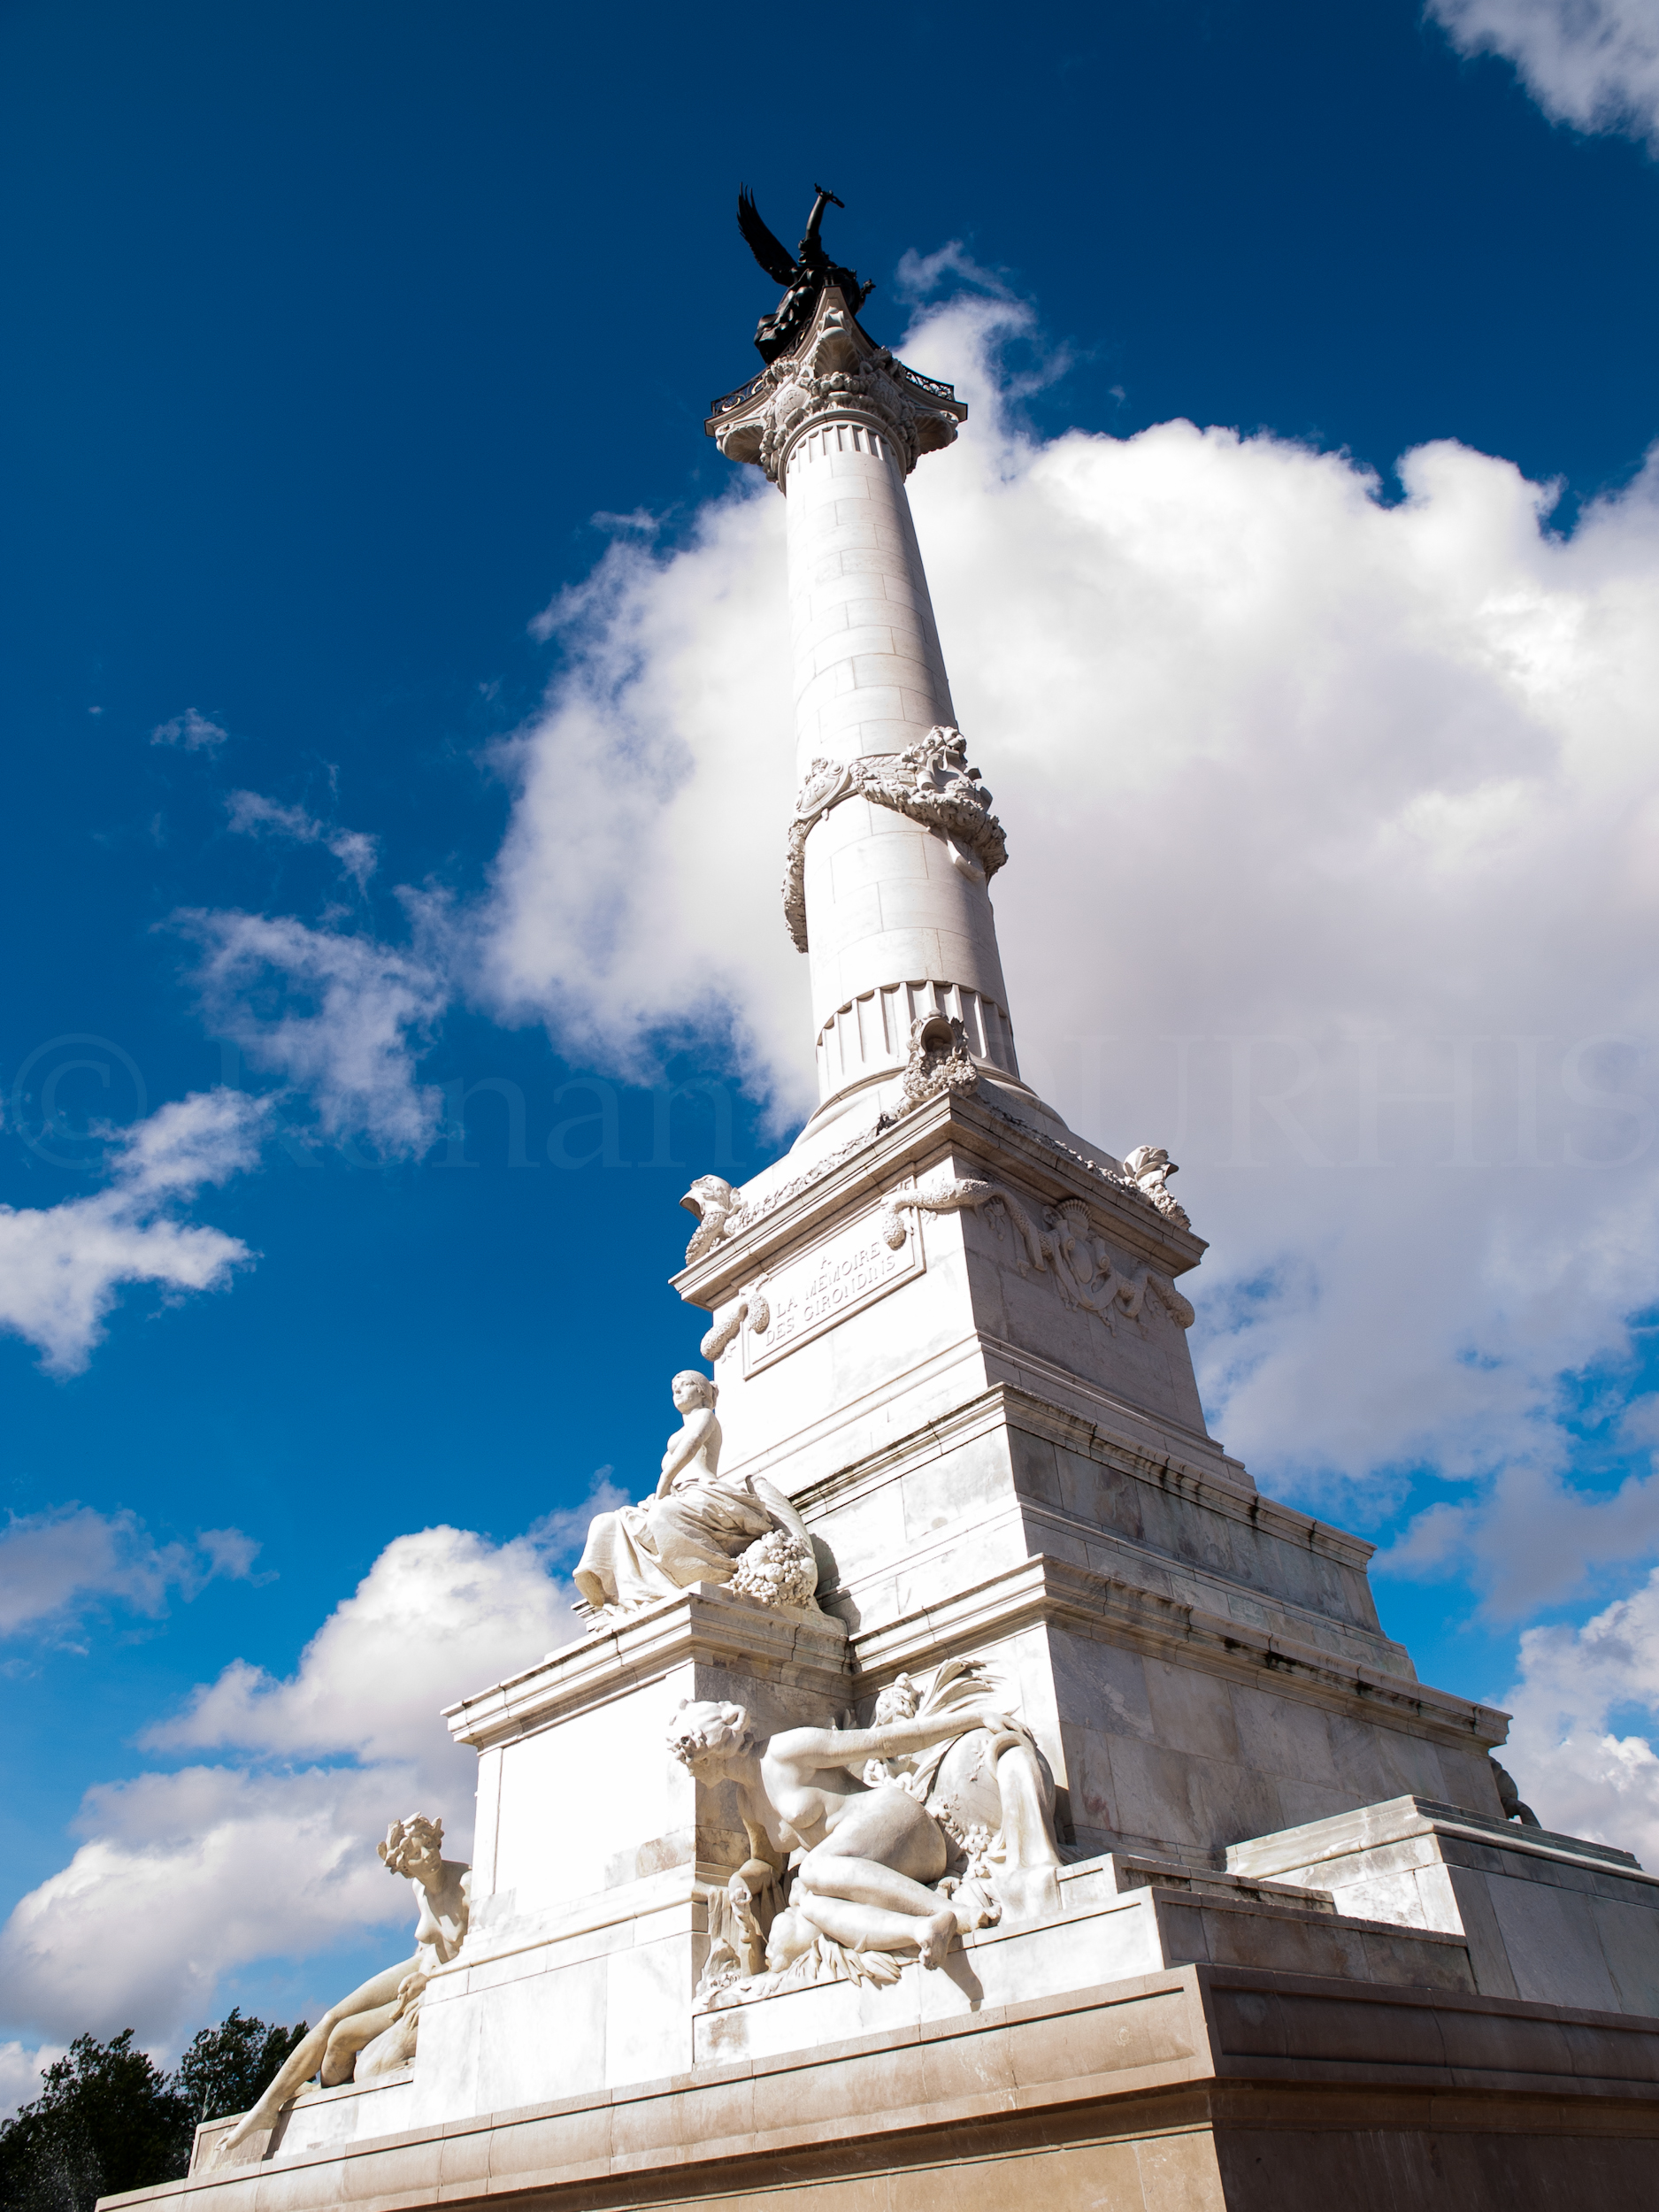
[[897, 918]]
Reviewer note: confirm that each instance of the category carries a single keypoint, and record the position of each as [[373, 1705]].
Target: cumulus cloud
[[189, 729], [647, 803], [1586, 1709], [435, 1609], [335, 1013], [63, 1561], [184, 1877], [22, 2066], [252, 815], [1592, 63], [61, 1267], [1334, 849]]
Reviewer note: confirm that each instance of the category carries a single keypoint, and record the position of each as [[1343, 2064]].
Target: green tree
[[107, 2118], [227, 2068]]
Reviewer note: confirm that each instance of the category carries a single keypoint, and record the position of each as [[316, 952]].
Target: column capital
[[836, 373]]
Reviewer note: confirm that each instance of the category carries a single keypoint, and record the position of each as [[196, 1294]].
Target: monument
[[967, 1788]]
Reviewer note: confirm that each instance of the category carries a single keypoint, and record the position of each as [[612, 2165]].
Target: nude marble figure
[[693, 1527], [384, 2008], [870, 1854]]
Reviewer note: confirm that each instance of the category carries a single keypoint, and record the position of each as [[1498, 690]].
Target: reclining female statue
[[384, 2011], [695, 1524], [870, 1854]]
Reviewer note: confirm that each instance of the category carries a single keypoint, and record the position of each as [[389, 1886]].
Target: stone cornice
[[873, 1166], [1045, 1590], [836, 373], [1350, 1836], [1006, 1405], [704, 1626]]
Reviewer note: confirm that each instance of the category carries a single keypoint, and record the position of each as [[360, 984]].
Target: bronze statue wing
[[777, 260]]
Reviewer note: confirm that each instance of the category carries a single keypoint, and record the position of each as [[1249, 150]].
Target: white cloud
[[189, 729], [336, 1014], [630, 904], [62, 1266], [64, 1560], [21, 2067], [1587, 1709], [435, 1608], [185, 1876], [1592, 62], [1353, 795], [252, 815]]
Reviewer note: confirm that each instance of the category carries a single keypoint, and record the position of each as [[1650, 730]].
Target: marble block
[[1548, 1917], [1196, 2088]]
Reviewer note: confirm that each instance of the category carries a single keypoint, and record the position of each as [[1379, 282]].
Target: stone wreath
[[930, 783]]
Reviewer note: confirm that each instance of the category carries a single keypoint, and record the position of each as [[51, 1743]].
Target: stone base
[[1203, 2089], [1545, 1917]]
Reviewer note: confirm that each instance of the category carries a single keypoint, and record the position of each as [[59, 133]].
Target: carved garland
[[929, 782]]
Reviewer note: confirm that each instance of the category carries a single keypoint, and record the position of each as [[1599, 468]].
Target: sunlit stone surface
[[1239, 1921]]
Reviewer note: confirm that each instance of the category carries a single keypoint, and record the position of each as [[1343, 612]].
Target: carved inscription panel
[[831, 1279]]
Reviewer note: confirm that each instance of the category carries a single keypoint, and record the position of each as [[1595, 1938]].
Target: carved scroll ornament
[[929, 782], [836, 371]]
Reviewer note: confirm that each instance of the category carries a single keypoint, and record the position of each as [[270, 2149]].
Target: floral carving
[[930, 782], [939, 1061], [837, 371]]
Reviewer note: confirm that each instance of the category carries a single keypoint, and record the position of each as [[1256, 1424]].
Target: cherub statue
[[870, 1855], [695, 1526], [372, 2031]]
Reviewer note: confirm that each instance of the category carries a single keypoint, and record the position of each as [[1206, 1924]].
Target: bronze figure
[[804, 273]]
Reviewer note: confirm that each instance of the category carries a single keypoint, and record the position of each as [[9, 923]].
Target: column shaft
[[899, 919]]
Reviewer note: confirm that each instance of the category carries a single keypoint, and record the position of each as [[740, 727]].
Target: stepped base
[[1205, 2088]]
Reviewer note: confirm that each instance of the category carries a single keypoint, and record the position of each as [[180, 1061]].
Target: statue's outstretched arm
[[850, 1746]]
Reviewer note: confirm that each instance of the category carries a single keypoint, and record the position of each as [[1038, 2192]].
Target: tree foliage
[[107, 2118]]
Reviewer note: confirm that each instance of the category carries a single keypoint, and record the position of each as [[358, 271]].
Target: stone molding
[[1348, 1835], [835, 372], [1175, 2060], [748, 1234], [706, 1626], [1044, 1590], [1004, 1405], [930, 783]]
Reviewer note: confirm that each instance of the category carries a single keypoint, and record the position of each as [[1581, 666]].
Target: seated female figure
[[389, 2000], [695, 1525]]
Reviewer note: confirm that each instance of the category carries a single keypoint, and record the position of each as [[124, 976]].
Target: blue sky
[[347, 343]]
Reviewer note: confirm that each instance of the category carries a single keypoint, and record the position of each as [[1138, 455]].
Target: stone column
[[893, 909]]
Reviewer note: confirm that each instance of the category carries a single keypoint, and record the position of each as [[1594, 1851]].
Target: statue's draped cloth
[[639, 1554]]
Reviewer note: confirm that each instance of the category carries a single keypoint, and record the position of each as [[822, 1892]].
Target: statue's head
[[897, 1701], [703, 1729], [692, 1389], [409, 1842]]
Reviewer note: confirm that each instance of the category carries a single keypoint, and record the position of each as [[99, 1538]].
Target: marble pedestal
[[1293, 1936], [1202, 2088]]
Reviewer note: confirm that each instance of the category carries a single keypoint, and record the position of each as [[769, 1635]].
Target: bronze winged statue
[[804, 273]]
